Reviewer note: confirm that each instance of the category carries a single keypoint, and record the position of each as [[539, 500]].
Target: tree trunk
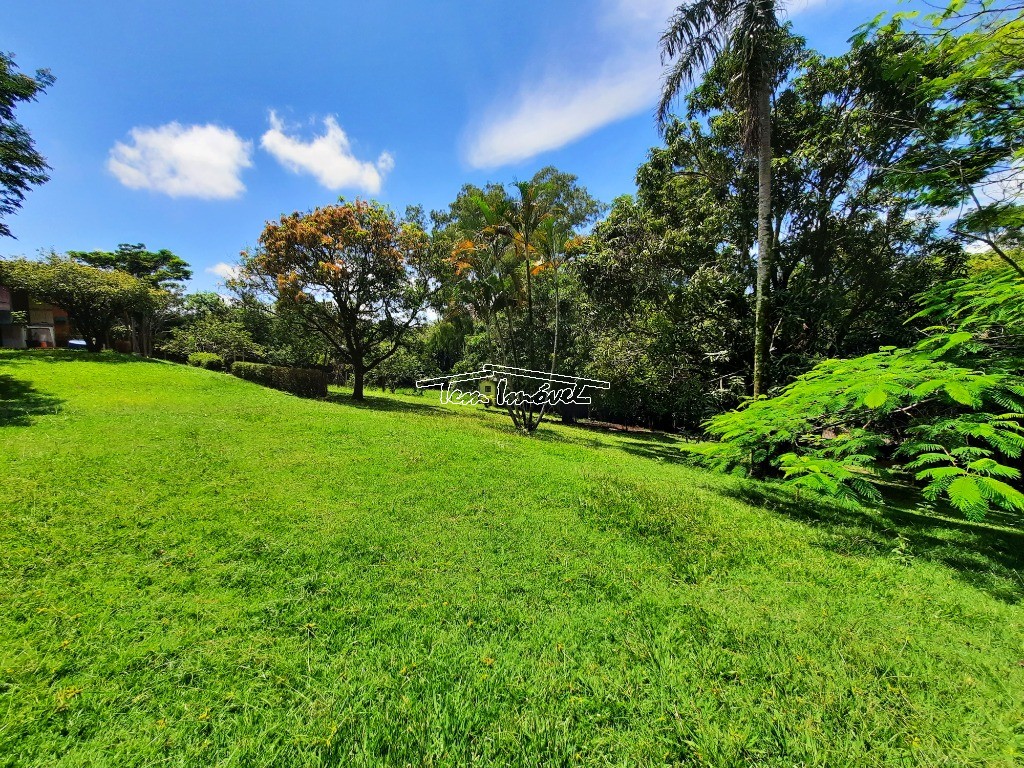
[[764, 239], [358, 374], [568, 413], [132, 323], [531, 363], [554, 350]]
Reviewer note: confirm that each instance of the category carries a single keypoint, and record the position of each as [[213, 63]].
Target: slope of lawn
[[196, 571]]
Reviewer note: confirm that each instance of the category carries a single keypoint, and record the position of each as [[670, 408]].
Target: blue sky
[[188, 125]]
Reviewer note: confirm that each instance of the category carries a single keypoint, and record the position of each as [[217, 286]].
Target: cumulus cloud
[[569, 102], [204, 161], [223, 270], [328, 157]]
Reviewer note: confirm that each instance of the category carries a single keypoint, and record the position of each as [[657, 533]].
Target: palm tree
[[699, 32], [552, 238], [504, 245], [526, 215], [485, 271]]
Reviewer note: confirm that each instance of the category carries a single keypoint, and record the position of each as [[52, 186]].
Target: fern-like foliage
[[946, 414]]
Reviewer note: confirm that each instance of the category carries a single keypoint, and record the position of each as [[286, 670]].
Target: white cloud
[[1003, 183], [798, 6], [203, 161], [223, 270], [557, 113], [568, 103], [328, 157]]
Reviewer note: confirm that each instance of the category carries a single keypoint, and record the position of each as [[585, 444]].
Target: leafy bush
[[228, 339], [401, 369], [206, 360], [947, 414], [304, 382]]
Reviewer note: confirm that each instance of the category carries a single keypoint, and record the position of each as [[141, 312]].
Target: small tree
[[351, 274], [226, 338], [507, 257], [402, 369], [95, 299], [946, 415]]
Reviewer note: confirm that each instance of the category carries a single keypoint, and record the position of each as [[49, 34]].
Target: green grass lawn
[[196, 571]]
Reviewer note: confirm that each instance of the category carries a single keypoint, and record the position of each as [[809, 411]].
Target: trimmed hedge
[[207, 360], [304, 382]]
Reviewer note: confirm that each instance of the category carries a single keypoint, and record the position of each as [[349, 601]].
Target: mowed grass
[[196, 571]]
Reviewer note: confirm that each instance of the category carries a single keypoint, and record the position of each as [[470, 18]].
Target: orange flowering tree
[[352, 274]]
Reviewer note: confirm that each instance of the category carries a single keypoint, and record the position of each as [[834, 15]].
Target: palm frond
[[702, 30]]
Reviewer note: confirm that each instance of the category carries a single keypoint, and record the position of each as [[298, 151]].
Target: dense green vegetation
[[946, 412], [304, 382], [197, 570]]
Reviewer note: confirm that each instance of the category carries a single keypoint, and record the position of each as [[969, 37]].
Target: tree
[[202, 304], [746, 31], [405, 367], [159, 268], [524, 217], [967, 157], [946, 414], [507, 252], [351, 274], [577, 209], [95, 299], [494, 276], [849, 251], [21, 166], [162, 271]]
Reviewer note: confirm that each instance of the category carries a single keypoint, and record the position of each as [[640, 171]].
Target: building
[[26, 324]]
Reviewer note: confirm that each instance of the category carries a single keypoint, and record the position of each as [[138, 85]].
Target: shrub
[[946, 414], [227, 339], [304, 382], [207, 360]]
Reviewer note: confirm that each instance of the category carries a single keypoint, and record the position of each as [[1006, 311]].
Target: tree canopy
[[159, 268], [21, 165], [351, 274], [95, 299]]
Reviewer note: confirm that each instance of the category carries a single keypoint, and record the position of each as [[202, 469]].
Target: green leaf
[[959, 393], [1005, 495], [965, 494], [876, 398]]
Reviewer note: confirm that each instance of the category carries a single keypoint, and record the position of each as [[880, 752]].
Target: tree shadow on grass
[[644, 444], [19, 356], [20, 402], [987, 556], [385, 404], [654, 449], [634, 433], [652, 445], [550, 436]]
